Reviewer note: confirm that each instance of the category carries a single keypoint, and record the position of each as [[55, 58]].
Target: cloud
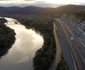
[[81, 3], [17, 0], [29, 0], [24, 3], [39, 3]]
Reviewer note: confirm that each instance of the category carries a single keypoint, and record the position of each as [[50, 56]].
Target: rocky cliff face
[[77, 28], [71, 19]]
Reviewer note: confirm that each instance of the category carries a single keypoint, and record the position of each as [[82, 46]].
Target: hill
[[18, 11], [32, 10], [69, 9]]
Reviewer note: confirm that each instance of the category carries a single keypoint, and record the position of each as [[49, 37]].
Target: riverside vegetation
[[7, 37], [45, 55]]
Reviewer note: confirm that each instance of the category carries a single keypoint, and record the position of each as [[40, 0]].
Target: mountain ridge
[[33, 10]]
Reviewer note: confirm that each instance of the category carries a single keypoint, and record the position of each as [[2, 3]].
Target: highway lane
[[78, 37], [76, 47], [64, 46], [78, 30]]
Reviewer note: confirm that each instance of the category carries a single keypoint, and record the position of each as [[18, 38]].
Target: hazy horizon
[[39, 3]]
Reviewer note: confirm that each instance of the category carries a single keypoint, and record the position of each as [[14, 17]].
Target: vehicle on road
[[72, 38]]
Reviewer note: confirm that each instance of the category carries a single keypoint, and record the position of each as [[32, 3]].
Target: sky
[[40, 3]]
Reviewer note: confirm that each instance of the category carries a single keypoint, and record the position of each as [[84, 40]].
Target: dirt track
[[58, 49]]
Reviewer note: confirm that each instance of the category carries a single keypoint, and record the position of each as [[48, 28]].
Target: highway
[[73, 50], [64, 44]]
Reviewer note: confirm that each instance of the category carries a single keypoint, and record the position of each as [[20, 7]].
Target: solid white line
[[72, 24], [83, 24], [77, 38], [81, 30]]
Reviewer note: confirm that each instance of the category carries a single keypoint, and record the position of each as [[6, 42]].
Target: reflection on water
[[20, 55]]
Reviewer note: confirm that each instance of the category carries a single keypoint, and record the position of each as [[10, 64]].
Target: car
[[72, 38]]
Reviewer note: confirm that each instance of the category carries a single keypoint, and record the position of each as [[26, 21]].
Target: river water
[[20, 56]]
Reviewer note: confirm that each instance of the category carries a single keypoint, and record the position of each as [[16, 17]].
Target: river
[[20, 56]]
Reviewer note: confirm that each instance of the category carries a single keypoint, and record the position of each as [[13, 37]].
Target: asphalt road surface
[[64, 45], [72, 49]]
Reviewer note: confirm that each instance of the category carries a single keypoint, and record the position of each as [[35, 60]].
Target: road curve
[[76, 47], [64, 45], [57, 57]]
